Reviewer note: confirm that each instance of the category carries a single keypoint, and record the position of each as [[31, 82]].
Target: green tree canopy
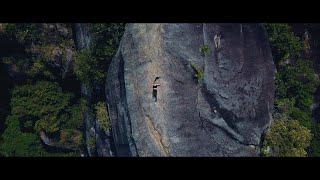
[[287, 138]]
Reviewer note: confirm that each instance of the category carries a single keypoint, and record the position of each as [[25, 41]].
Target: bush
[[43, 101], [45, 49], [106, 39], [23, 32], [91, 65], [71, 138], [199, 73], [284, 43], [87, 69], [205, 50], [40, 107], [296, 85], [102, 116], [315, 143], [16, 143], [287, 138], [296, 82]]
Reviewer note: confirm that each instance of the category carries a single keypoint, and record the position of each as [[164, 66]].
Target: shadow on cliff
[[7, 48], [6, 85]]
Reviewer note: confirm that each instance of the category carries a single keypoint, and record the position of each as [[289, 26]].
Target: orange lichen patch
[[71, 138], [157, 137]]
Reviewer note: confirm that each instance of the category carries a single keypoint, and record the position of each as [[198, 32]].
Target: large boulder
[[190, 90]]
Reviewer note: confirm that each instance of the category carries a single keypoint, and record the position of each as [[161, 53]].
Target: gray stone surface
[[222, 114]]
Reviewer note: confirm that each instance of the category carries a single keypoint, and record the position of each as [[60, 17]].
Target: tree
[[296, 80], [47, 49], [287, 138], [41, 107], [102, 116], [17, 143], [91, 65], [284, 43]]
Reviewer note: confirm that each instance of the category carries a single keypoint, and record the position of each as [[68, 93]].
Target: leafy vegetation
[[284, 43], [205, 50], [87, 68], [43, 103], [46, 49], [102, 116], [91, 64], [199, 73], [287, 138], [17, 143], [24, 32], [41, 107], [296, 84]]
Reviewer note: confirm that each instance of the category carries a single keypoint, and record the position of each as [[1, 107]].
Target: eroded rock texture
[[215, 95]]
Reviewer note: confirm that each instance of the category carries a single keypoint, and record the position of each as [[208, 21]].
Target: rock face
[[190, 90], [98, 142]]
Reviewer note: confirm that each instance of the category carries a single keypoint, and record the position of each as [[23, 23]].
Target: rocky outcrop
[[83, 41], [97, 141], [190, 90]]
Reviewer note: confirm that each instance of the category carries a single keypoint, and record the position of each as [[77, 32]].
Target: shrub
[[23, 32], [16, 143], [199, 73], [205, 50], [287, 138], [102, 116], [44, 49], [44, 101], [91, 142], [87, 69], [297, 84], [71, 138], [44, 106], [106, 39], [284, 43], [91, 65]]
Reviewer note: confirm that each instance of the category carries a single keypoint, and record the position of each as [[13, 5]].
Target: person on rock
[[216, 39], [154, 87]]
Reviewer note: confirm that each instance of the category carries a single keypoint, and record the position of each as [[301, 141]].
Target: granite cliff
[[190, 90]]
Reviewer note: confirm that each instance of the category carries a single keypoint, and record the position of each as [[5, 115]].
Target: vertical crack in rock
[[157, 136], [223, 122], [131, 149]]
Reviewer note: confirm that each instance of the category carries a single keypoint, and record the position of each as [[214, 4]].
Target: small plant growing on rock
[[205, 50], [91, 142], [199, 73]]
